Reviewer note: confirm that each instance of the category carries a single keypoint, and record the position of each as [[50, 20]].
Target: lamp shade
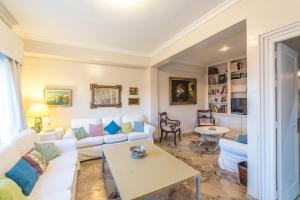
[[38, 110]]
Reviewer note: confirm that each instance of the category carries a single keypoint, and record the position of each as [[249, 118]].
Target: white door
[[287, 112]]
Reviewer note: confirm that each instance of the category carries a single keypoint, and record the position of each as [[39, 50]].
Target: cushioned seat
[[65, 160], [62, 195], [54, 181], [108, 139], [90, 142], [137, 136], [168, 128]]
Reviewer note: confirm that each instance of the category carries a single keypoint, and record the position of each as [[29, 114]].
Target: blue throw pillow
[[24, 175], [138, 126], [242, 139], [112, 128]]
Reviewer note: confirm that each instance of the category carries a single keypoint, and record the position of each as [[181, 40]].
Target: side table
[[55, 134]]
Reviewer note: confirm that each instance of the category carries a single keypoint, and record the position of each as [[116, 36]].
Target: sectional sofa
[[59, 180], [91, 147]]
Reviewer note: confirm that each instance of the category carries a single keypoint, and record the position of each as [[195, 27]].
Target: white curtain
[[12, 117]]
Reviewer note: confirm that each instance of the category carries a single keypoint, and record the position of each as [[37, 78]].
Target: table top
[[208, 130], [136, 178]]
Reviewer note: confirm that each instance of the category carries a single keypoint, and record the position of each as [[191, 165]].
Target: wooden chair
[[169, 126], [204, 118]]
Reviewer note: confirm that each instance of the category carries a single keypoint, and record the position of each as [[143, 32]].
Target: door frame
[[267, 136]]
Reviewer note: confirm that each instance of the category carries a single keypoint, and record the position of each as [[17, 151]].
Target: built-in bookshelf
[[226, 80]]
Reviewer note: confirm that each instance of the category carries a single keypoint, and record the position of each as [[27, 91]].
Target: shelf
[[217, 102], [217, 85], [239, 79], [241, 70]]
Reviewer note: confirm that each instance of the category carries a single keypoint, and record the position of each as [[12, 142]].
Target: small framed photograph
[[133, 101], [133, 91], [58, 97]]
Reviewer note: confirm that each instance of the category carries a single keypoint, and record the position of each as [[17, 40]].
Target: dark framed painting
[[58, 97], [182, 91], [133, 91], [133, 101], [105, 96]]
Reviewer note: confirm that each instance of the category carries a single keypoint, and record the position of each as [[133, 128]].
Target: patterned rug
[[216, 184]]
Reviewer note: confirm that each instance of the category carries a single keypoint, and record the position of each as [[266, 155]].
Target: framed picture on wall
[[133, 101], [182, 91], [58, 97], [105, 96], [133, 91]]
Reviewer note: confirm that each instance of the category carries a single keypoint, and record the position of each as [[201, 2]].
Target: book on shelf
[[220, 109], [212, 81], [224, 89], [238, 65]]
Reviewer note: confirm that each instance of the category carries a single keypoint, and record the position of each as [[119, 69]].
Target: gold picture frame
[[105, 96], [182, 91], [58, 97]]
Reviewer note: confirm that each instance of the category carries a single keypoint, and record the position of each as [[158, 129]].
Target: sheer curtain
[[12, 117]]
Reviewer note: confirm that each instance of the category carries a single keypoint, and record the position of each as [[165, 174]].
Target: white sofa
[[59, 180], [91, 147], [231, 153]]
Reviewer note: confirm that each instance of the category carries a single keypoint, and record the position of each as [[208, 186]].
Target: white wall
[[186, 114], [38, 73]]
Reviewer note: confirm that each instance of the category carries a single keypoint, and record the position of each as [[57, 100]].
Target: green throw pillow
[[80, 133], [10, 190], [48, 150], [126, 127]]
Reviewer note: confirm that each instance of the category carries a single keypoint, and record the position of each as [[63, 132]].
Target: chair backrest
[[204, 116], [163, 118]]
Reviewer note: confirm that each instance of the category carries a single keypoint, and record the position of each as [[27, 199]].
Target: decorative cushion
[[36, 160], [126, 127], [138, 126], [241, 139], [48, 150], [9, 190], [96, 130], [80, 133], [112, 128], [24, 175]]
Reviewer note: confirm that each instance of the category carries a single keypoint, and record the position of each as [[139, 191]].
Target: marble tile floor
[[216, 184]]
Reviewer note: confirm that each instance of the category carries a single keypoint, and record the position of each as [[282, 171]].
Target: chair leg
[[166, 135], [175, 139], [179, 134], [161, 136]]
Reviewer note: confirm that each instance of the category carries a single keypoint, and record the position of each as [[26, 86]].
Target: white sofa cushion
[[61, 195], [53, 181], [108, 139], [65, 160], [137, 136], [107, 120], [9, 156], [24, 141], [132, 119], [84, 122], [90, 142]]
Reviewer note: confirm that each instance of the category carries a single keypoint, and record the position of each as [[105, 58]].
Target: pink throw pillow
[[96, 130]]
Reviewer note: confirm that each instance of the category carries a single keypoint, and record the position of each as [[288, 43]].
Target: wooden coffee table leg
[[103, 163], [198, 188]]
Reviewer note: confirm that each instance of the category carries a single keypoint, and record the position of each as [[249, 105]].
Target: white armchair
[[231, 153]]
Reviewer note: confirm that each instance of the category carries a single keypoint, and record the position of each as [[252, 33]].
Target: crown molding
[[6, 16], [39, 38], [212, 13]]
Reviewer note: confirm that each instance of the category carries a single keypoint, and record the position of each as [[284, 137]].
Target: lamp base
[[38, 125]]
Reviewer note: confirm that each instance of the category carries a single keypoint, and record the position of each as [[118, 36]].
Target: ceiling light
[[224, 48], [122, 2]]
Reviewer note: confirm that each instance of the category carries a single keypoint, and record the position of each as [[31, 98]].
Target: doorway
[[279, 148]]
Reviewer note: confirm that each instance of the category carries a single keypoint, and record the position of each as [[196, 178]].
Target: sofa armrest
[[149, 129], [66, 145], [69, 134], [233, 147]]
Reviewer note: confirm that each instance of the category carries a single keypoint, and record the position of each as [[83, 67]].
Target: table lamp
[[38, 111]]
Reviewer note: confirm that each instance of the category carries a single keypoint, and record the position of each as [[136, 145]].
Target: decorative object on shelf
[[182, 91], [58, 97], [105, 96], [204, 118], [38, 111], [213, 71], [133, 91], [138, 152], [222, 79], [169, 126], [133, 101]]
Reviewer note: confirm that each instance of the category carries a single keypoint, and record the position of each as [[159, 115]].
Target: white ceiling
[[208, 51], [138, 28]]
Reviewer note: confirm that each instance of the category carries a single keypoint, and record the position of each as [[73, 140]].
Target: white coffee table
[[139, 178], [211, 133]]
